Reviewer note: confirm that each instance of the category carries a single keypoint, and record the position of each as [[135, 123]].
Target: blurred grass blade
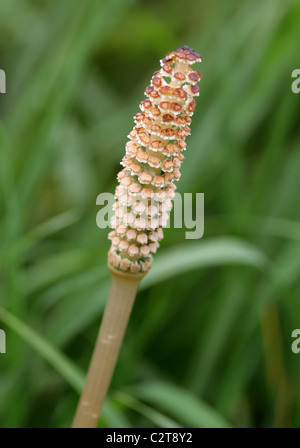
[[75, 377], [284, 228], [207, 253], [61, 363], [44, 230], [161, 420], [181, 404]]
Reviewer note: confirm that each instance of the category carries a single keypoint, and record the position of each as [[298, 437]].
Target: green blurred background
[[209, 340]]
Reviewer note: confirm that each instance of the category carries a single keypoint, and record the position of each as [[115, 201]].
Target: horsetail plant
[[143, 202]]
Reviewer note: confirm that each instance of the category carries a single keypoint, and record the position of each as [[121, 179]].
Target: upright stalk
[[143, 201], [117, 311]]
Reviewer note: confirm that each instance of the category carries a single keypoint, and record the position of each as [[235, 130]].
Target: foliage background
[[209, 340]]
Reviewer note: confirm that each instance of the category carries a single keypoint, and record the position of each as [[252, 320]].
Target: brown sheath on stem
[[117, 311]]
